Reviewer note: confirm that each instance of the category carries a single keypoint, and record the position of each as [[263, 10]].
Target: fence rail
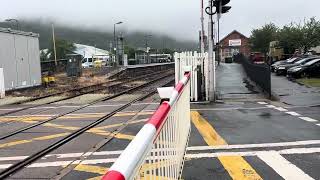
[[259, 73], [157, 151]]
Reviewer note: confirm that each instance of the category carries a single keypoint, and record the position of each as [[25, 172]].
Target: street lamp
[[15, 20], [146, 38], [114, 38]]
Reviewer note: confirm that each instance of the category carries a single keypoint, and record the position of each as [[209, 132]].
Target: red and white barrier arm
[[135, 154]]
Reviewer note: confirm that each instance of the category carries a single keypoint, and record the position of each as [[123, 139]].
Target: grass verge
[[313, 82]]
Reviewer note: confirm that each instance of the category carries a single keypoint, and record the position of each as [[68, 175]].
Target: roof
[[23, 33], [83, 50], [89, 51], [234, 31]]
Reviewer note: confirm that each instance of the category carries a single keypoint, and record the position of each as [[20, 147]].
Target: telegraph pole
[[220, 8], [54, 46], [210, 91], [202, 30]]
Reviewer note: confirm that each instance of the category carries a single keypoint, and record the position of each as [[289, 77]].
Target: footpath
[[292, 93]]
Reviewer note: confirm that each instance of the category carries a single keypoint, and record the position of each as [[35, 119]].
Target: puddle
[[265, 115]]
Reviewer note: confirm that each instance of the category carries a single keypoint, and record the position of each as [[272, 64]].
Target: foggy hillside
[[97, 37]]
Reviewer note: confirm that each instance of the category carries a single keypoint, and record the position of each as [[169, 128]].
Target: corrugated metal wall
[[20, 59]]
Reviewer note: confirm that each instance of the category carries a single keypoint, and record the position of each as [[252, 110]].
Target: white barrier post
[[2, 88], [158, 150]]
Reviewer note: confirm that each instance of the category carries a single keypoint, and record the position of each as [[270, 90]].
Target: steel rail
[[79, 108], [70, 97], [20, 165], [104, 142]]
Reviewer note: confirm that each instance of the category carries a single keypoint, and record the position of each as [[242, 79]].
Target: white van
[[87, 62]]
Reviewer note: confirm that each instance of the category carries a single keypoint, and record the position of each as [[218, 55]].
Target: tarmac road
[[245, 136], [249, 137]]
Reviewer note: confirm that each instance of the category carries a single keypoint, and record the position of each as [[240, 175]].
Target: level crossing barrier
[[157, 151], [199, 80]]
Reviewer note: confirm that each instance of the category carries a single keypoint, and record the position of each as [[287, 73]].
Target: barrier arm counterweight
[[159, 147]]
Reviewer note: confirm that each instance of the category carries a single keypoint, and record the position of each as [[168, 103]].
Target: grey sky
[[178, 18]]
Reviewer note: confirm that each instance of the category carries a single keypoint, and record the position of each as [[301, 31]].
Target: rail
[[55, 145], [158, 149]]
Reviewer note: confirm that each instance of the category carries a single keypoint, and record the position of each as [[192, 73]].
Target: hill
[[98, 38]]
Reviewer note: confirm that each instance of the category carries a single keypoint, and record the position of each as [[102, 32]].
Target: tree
[[261, 38], [290, 38], [63, 48], [130, 52], [311, 34], [300, 36], [167, 51]]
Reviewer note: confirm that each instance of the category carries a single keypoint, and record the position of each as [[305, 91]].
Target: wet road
[[244, 136], [249, 137]]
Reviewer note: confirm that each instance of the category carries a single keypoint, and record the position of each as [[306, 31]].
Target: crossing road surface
[[249, 137], [244, 136], [253, 140]]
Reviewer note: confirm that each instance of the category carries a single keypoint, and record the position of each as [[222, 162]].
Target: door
[[22, 60]]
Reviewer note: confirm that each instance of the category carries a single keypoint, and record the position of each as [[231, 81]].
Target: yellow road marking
[[237, 166], [33, 139], [79, 116], [120, 124], [97, 131], [91, 169], [209, 134], [95, 178]]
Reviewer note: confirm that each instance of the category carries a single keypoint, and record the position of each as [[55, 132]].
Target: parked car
[[257, 57], [309, 69], [282, 69], [288, 61], [87, 62]]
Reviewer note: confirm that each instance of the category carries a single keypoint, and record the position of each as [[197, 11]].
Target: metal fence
[[259, 73], [51, 66], [157, 151]]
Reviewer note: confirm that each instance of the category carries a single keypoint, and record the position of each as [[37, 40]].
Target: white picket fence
[[158, 150], [198, 63]]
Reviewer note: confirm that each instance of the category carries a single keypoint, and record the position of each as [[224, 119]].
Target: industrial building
[[20, 58]]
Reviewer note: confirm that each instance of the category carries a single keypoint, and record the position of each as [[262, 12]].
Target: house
[[234, 43]]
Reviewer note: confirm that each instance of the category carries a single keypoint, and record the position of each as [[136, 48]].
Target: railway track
[[44, 151], [77, 92]]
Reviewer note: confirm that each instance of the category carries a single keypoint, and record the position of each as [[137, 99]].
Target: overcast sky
[[178, 18]]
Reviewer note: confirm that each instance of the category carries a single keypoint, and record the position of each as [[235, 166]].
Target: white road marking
[[280, 109], [318, 124], [282, 166], [253, 153], [243, 146], [263, 103], [67, 155], [192, 156], [192, 148], [226, 109], [270, 106], [308, 119], [293, 113], [63, 163]]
